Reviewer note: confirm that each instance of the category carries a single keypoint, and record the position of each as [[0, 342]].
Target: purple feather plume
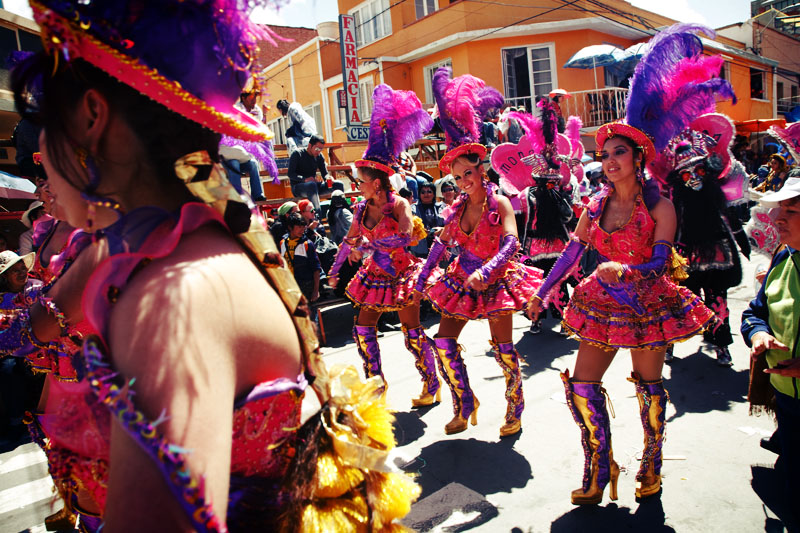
[[261, 152], [397, 121], [673, 84], [453, 133], [488, 98], [462, 103]]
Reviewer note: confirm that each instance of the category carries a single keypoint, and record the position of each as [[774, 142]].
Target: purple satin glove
[[654, 268], [507, 250], [434, 256], [341, 257], [561, 269]]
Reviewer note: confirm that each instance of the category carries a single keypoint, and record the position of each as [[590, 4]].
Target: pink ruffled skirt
[[375, 290], [672, 314], [508, 291]]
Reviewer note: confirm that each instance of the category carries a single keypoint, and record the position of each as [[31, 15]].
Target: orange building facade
[[519, 51]]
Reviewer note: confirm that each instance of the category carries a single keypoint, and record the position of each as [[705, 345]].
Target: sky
[[309, 13]]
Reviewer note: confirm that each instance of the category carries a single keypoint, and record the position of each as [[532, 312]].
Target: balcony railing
[[595, 107], [785, 105]]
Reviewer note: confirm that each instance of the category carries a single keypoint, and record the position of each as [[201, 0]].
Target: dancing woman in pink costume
[[484, 281], [631, 300], [382, 227]]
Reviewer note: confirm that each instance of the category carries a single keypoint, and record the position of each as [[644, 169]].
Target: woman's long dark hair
[[165, 135]]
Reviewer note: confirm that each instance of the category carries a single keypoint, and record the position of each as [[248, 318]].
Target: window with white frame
[[373, 21], [758, 84], [430, 70], [528, 73], [425, 7], [315, 113], [366, 87], [725, 71], [340, 113], [278, 127]]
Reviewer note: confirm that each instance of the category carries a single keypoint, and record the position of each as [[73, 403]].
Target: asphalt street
[[715, 475]]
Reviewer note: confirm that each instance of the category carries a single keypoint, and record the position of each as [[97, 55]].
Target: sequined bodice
[[484, 239], [630, 244], [387, 226]]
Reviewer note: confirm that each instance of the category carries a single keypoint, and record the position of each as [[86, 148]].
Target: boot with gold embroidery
[[366, 338], [587, 402], [653, 398], [421, 347], [454, 371], [507, 357]]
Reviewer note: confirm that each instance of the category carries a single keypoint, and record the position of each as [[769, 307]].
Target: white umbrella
[[596, 55], [635, 52], [13, 187]]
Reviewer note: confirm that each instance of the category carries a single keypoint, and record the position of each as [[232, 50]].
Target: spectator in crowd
[[35, 210], [248, 102], [340, 217], [303, 167], [312, 224], [14, 277], [407, 175], [3, 243], [19, 388], [280, 227], [778, 172], [769, 327], [449, 190], [489, 133], [301, 126], [239, 162], [301, 257], [430, 211]]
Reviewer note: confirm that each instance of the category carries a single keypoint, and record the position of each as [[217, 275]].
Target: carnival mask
[[693, 178]]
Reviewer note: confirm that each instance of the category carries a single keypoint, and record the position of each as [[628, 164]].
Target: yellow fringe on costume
[[677, 267], [418, 231], [353, 487]]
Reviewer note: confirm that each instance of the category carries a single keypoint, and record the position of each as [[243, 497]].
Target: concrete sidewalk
[[714, 470]]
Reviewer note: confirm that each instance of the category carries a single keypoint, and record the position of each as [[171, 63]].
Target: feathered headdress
[[462, 104], [542, 153], [192, 56], [672, 85], [397, 121], [789, 137]]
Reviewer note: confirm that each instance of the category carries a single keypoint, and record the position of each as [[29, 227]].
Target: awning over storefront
[[758, 125]]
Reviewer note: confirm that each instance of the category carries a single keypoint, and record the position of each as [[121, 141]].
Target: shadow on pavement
[[408, 426], [472, 463], [649, 516], [698, 385], [539, 351], [769, 485]]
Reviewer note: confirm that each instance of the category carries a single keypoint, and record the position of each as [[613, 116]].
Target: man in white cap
[[771, 327], [35, 210]]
